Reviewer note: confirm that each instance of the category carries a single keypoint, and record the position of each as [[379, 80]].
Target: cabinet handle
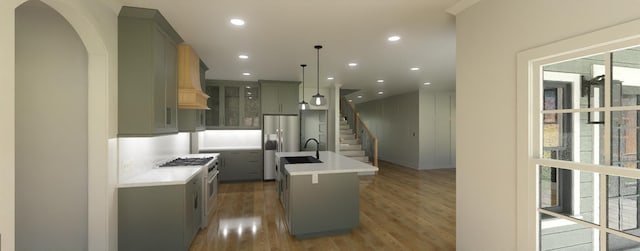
[[195, 198]]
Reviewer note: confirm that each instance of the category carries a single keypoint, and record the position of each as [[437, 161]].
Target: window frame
[[529, 76]]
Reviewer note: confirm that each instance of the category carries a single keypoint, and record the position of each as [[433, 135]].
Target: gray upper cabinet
[[147, 73], [233, 104], [279, 97], [193, 120]]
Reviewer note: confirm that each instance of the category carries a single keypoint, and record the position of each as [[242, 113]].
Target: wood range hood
[[190, 95]]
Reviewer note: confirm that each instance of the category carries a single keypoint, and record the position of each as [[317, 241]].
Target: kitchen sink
[[301, 160]]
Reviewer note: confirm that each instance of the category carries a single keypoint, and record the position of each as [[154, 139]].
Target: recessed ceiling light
[[248, 87], [380, 81], [249, 93], [330, 78], [246, 74], [393, 38], [359, 96], [353, 64], [350, 100], [237, 22], [415, 69], [243, 56], [380, 93], [427, 83]]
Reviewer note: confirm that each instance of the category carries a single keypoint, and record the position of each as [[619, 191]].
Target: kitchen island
[[320, 198]]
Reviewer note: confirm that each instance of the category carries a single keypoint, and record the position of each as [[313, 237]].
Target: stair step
[[345, 127], [347, 137], [352, 153], [350, 141], [346, 131], [343, 122], [347, 147]]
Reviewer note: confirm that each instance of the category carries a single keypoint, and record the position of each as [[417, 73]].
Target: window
[[579, 179]]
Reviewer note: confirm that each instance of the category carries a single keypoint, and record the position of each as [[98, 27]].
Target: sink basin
[[301, 160]]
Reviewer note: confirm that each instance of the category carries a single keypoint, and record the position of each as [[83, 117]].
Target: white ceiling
[[279, 35]]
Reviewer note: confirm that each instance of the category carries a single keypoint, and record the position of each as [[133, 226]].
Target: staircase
[[349, 145]]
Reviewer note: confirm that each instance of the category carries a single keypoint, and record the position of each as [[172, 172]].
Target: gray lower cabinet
[[147, 73], [279, 97], [241, 165], [328, 207], [159, 217]]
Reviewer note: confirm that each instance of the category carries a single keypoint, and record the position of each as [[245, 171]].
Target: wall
[[437, 129], [416, 130], [394, 121], [489, 36], [313, 124], [139, 154], [96, 24], [51, 132]]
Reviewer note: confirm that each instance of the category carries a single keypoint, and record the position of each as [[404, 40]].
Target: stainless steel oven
[[211, 189]]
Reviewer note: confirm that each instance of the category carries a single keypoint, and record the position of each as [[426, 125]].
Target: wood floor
[[400, 209]]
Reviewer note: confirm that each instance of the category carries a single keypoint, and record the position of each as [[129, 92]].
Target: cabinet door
[[231, 106], [213, 114], [251, 110], [269, 100], [171, 86], [201, 120], [159, 81], [189, 211], [288, 97]]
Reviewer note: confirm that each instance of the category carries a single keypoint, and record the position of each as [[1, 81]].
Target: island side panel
[[330, 206]]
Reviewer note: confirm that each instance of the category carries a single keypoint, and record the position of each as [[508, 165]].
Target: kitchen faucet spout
[[317, 146]]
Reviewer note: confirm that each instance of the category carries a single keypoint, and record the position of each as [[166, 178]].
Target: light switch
[[314, 178]]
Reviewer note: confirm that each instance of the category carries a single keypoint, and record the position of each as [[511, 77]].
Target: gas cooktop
[[187, 162]]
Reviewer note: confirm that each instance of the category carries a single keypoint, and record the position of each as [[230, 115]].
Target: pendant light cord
[[303, 66], [318, 47]]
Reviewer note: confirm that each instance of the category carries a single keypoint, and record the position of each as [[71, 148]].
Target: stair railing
[[362, 133]]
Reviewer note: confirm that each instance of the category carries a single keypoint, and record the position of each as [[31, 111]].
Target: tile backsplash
[[139, 154]]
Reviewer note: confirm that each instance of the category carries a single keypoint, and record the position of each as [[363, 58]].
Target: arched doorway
[[51, 131], [95, 24]]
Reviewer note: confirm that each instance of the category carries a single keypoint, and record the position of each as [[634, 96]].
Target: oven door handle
[[213, 177]]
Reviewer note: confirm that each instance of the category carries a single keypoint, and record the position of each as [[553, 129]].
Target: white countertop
[[331, 163], [160, 176]]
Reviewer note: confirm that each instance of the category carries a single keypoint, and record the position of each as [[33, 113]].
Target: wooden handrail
[[358, 122], [373, 139]]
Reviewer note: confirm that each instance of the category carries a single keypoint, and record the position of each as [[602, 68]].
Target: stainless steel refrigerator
[[280, 133]]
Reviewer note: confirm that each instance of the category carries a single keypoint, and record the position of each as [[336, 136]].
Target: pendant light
[[318, 99], [303, 104]]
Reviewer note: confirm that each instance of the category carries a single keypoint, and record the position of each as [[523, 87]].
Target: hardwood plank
[[400, 209]]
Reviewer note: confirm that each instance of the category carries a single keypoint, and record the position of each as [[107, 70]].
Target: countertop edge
[[159, 183]]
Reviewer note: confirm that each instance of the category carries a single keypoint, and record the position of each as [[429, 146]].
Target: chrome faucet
[[317, 146]]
